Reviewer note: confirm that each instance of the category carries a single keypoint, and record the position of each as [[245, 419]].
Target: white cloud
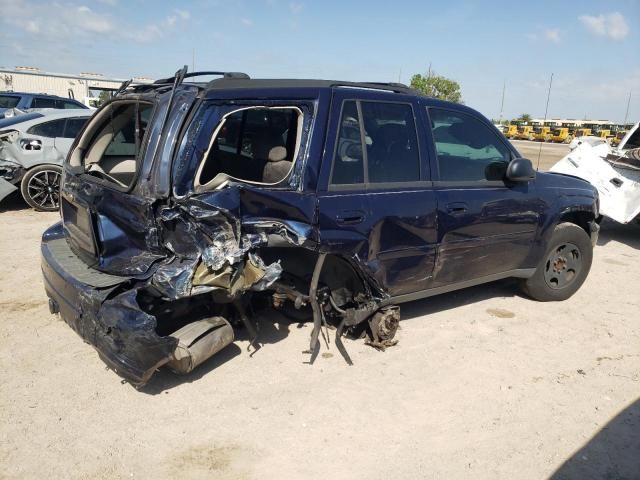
[[148, 33], [611, 25], [552, 35], [247, 22], [295, 7], [32, 26], [57, 22], [87, 19], [183, 14]]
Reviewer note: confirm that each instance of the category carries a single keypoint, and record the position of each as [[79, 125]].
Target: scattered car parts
[[614, 171]]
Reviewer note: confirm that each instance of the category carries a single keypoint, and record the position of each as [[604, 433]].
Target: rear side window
[[8, 101], [43, 102], [73, 127], [66, 104], [468, 150], [255, 144], [377, 143], [52, 129]]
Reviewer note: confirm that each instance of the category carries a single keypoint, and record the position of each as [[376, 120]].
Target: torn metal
[[211, 261], [615, 172], [153, 271]]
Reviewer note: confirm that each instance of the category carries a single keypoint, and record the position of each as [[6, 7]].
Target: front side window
[[52, 129], [468, 150], [255, 144], [110, 146], [377, 143]]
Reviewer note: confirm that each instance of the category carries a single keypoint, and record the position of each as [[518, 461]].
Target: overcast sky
[[592, 47]]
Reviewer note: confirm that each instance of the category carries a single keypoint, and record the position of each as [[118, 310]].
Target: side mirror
[[520, 170]]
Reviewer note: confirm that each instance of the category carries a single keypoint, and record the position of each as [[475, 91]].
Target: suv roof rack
[[387, 86], [239, 82], [241, 75]]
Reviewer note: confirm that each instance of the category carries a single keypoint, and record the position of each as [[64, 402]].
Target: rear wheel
[[40, 187], [564, 267]]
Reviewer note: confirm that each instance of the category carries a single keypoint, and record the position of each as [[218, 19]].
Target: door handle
[[457, 208], [352, 217]]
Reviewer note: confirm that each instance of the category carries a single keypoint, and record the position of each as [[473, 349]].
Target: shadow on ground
[[628, 234], [613, 453], [459, 298], [13, 202]]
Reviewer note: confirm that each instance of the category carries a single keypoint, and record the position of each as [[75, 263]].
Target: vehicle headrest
[[469, 136], [277, 154]]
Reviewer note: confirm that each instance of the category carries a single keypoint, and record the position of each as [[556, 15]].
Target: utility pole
[[504, 86], [400, 75], [626, 114], [546, 111]]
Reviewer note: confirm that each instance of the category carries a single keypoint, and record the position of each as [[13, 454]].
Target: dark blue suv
[[187, 206]]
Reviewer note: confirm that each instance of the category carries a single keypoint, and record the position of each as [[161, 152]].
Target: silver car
[[33, 147]]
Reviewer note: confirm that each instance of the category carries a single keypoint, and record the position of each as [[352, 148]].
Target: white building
[[33, 80]]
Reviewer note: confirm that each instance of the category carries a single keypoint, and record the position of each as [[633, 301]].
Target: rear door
[[376, 203], [47, 132], [485, 225], [106, 222]]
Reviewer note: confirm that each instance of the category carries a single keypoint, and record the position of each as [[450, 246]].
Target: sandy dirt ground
[[483, 384]]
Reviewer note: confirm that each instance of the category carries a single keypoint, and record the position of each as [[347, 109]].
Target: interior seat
[[277, 166]]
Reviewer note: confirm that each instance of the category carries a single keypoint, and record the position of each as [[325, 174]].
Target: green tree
[[525, 117], [437, 86], [104, 97]]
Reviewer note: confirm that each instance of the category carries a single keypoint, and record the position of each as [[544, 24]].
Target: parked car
[[29, 101], [188, 206], [33, 147]]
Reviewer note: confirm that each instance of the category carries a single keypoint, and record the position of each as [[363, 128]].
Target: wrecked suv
[[187, 207]]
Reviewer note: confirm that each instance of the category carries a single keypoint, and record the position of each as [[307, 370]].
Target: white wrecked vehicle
[[33, 147], [615, 172]]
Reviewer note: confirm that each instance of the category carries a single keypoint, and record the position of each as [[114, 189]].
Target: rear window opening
[[254, 144], [109, 148]]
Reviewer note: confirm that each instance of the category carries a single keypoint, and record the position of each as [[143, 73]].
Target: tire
[[564, 267], [40, 187]]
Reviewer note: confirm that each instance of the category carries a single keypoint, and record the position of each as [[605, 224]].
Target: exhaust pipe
[[199, 341]]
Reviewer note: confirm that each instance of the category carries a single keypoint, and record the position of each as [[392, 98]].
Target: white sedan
[[33, 147]]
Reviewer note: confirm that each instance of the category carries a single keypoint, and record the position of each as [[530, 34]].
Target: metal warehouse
[[33, 80]]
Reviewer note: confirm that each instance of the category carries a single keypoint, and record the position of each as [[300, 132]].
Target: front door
[[485, 225], [375, 200]]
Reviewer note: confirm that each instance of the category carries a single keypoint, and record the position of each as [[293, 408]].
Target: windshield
[[9, 101]]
